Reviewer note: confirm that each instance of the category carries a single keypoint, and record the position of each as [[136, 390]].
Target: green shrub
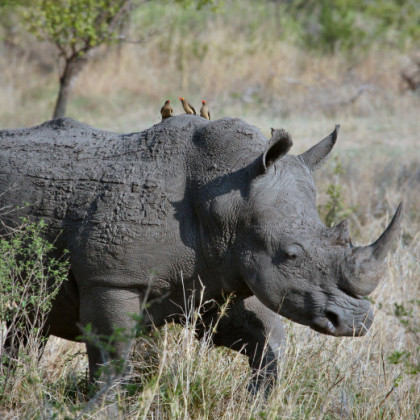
[[29, 280], [350, 25], [335, 209]]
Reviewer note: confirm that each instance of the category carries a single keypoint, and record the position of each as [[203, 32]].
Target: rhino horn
[[364, 263], [380, 247], [341, 233], [315, 156]]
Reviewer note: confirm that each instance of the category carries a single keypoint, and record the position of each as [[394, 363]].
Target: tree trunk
[[73, 66]]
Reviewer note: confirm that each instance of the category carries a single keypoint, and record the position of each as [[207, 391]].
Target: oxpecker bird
[[166, 111], [188, 108], [204, 111]]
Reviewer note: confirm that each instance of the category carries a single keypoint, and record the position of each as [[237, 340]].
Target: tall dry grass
[[250, 73]]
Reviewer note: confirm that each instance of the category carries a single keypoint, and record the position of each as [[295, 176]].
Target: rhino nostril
[[333, 318]]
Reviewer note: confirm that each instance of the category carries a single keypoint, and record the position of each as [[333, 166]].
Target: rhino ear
[[280, 143], [315, 156]]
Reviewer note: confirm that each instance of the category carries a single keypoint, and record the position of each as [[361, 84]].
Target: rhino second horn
[[342, 232]]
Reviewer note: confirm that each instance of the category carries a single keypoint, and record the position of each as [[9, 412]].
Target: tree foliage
[[401, 15], [198, 3], [348, 25], [76, 26]]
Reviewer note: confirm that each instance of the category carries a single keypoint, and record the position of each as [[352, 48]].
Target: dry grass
[[269, 84]]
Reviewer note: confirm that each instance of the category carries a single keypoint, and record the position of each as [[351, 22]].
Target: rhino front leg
[[106, 314], [254, 330]]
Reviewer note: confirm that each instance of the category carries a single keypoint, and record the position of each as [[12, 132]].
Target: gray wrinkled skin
[[146, 215]]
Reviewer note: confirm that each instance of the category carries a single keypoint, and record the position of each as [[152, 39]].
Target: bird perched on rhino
[[188, 108], [166, 111], [204, 111]]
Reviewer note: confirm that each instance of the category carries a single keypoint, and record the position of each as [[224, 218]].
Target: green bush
[[29, 280], [350, 25], [335, 209]]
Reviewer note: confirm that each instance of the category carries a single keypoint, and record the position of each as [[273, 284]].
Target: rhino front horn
[[363, 268], [380, 247]]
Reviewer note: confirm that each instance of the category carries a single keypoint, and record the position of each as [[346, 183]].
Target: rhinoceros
[[153, 216]]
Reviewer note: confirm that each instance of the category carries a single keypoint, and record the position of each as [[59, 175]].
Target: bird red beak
[[181, 99]]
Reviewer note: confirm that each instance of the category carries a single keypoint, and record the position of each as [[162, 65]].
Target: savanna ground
[[247, 71]]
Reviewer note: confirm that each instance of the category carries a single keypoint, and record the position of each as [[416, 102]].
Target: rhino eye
[[293, 252]]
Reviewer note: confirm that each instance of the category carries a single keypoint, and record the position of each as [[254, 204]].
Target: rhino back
[[130, 202], [103, 189]]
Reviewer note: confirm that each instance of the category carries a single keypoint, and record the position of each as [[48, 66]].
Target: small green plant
[[404, 312], [404, 358], [30, 278], [335, 208], [407, 318]]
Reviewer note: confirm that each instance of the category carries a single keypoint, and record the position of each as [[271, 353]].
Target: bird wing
[[208, 112], [193, 110]]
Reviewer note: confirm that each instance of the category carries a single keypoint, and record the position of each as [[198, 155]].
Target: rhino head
[[288, 258]]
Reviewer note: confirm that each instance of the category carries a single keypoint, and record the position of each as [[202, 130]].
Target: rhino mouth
[[324, 326], [335, 323]]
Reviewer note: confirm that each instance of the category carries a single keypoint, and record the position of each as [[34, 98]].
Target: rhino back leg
[[109, 313], [254, 330], [63, 319]]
